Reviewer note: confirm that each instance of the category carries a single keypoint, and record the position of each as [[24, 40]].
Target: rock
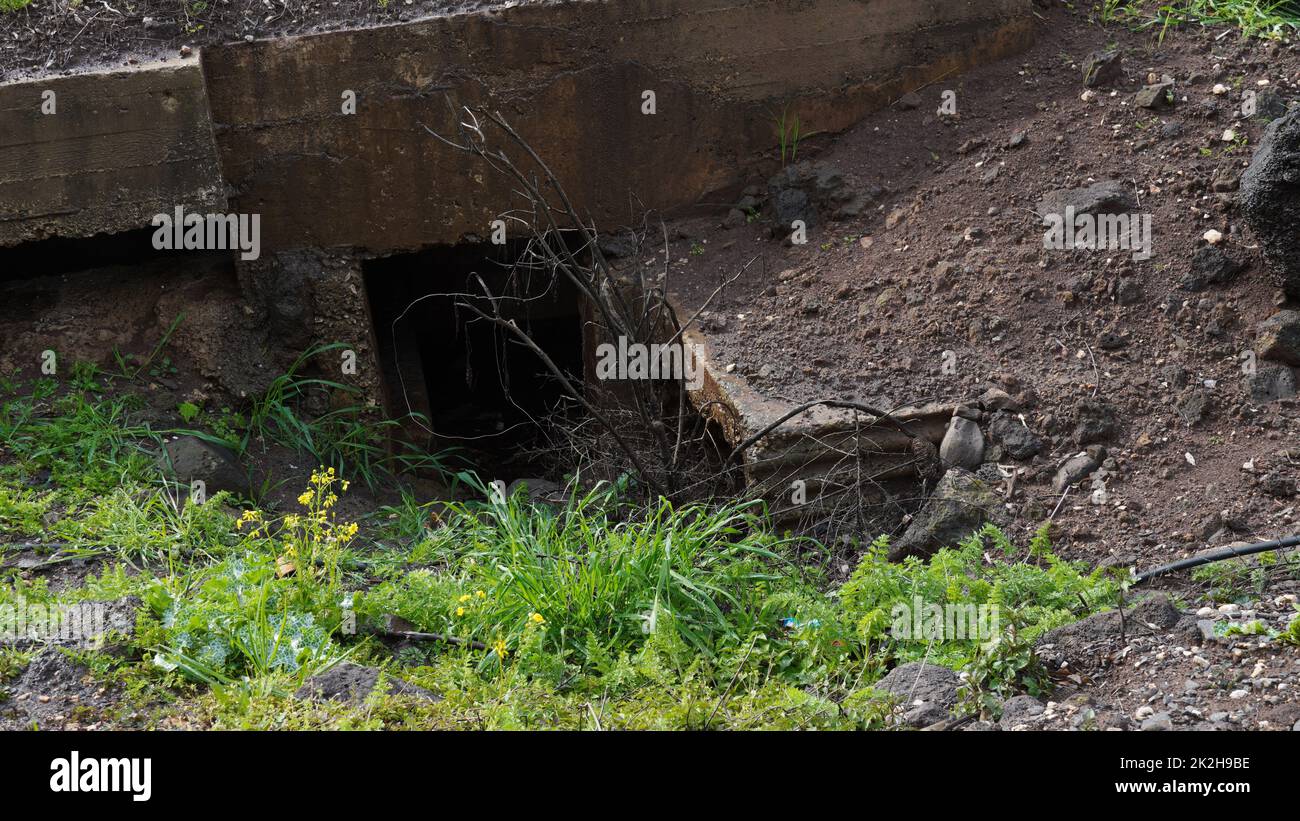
[[190, 458], [1278, 336], [909, 101], [1094, 422], [961, 504], [1158, 722], [792, 204], [1171, 131], [1017, 441], [1078, 468], [1102, 68], [353, 684], [1270, 105], [1270, 382], [1210, 266], [963, 445], [806, 190], [1270, 198], [922, 685], [1017, 139], [1018, 710], [1193, 407], [996, 399], [1155, 96], [1075, 643], [1105, 197]]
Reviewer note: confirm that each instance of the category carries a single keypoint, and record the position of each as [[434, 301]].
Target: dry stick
[[568, 264]]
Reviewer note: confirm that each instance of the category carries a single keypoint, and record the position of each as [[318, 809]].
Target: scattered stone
[[189, 458], [963, 444], [1102, 68], [1017, 710], [1105, 197], [909, 101], [84, 625], [1016, 440], [1095, 422], [1279, 337], [353, 684], [1193, 407], [919, 685], [1078, 468], [1159, 722], [1270, 382], [1017, 139], [1155, 96], [1210, 266]]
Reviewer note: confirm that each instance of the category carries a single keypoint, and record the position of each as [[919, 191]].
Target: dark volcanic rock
[[1102, 68], [1279, 338], [189, 458], [1018, 441], [961, 505], [1105, 197], [1270, 198], [353, 684], [1210, 266]]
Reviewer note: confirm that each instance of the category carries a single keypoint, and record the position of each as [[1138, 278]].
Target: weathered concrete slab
[[571, 78], [825, 448], [118, 148]]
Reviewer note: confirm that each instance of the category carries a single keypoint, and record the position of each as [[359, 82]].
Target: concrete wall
[[118, 148], [569, 76]]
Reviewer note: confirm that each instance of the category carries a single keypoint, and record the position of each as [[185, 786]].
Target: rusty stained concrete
[[570, 79], [120, 147]]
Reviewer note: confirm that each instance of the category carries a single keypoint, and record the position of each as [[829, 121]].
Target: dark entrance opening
[[472, 383]]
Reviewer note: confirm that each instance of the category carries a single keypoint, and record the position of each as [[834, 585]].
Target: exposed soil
[[1096, 347]]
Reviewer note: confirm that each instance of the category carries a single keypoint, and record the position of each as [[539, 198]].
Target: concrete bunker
[[470, 382]]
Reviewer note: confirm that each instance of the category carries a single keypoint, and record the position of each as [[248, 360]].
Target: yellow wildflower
[[500, 647], [460, 611], [480, 594], [464, 598], [537, 618]]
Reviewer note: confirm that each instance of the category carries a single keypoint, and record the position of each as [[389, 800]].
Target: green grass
[[1255, 18], [13, 5], [602, 613]]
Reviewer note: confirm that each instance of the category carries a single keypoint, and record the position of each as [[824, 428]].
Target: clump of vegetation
[[601, 612], [1255, 18]]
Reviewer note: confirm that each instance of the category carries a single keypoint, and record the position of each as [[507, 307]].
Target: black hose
[[1218, 556]]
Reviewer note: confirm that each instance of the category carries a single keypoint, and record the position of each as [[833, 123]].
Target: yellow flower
[[460, 611], [291, 520], [345, 484], [500, 647], [305, 499], [537, 618], [464, 598], [480, 594]]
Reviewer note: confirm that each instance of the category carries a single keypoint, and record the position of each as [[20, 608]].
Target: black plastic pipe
[[1218, 556]]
